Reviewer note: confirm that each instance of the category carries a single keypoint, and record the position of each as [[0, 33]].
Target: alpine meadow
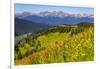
[[47, 34]]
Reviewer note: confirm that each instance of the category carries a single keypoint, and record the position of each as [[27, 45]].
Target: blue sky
[[40, 8]]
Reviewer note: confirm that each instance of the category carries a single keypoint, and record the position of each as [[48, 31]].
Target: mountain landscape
[[46, 35], [35, 22]]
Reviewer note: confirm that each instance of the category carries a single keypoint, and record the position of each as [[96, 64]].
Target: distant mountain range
[[55, 17], [36, 22], [60, 14]]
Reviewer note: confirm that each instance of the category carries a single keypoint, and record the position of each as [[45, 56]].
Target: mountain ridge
[[55, 17], [24, 26]]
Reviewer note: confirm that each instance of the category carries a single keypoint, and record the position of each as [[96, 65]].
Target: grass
[[57, 47]]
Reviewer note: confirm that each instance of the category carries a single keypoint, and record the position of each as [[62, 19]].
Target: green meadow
[[59, 44]]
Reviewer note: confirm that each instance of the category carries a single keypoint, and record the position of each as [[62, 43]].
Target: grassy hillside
[[61, 43]]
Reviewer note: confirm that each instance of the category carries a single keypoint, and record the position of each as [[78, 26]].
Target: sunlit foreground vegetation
[[57, 45]]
